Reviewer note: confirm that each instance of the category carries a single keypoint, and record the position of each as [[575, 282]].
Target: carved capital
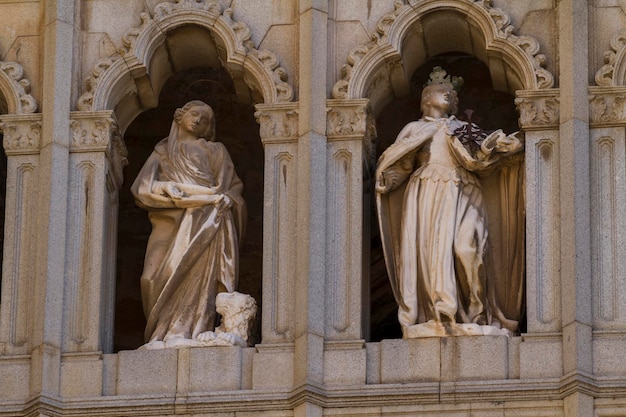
[[91, 131], [278, 122], [98, 132], [22, 133], [538, 109], [607, 106], [352, 120]]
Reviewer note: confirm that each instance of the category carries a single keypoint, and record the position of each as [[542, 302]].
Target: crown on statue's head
[[438, 76]]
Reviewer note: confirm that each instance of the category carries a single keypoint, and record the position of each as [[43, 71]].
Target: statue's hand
[[225, 204], [172, 191], [381, 187]]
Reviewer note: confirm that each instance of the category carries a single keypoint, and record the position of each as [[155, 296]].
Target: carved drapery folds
[[16, 89], [139, 43], [386, 44]]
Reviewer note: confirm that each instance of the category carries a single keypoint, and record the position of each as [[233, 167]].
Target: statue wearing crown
[[433, 221]]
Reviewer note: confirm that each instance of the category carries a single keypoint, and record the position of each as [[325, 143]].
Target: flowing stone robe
[[434, 228], [192, 253]]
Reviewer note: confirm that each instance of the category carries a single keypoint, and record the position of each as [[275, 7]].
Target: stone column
[[349, 128], [273, 364], [97, 156], [607, 115], [22, 140], [279, 134], [539, 119], [574, 197], [311, 202]]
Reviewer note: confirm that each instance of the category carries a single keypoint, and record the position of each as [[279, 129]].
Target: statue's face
[[441, 98], [196, 121]]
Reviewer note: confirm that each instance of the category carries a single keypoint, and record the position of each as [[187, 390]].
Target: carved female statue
[[193, 197], [433, 222]]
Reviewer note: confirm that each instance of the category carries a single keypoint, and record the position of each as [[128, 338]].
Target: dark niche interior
[[478, 103], [239, 132]]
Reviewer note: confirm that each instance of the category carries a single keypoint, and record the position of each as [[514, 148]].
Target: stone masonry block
[[215, 369], [409, 360], [541, 357], [147, 372]]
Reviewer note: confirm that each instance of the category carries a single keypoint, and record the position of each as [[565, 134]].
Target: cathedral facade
[[307, 95]]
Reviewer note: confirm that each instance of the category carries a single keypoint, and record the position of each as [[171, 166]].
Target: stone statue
[[194, 202], [433, 220]]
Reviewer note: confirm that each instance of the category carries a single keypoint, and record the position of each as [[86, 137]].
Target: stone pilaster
[[22, 141], [539, 118], [279, 134]]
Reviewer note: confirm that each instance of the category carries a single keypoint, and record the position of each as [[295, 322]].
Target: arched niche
[[406, 40], [411, 34], [479, 103], [238, 131], [174, 43], [175, 37]]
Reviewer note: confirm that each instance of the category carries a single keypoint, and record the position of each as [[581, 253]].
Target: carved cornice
[[385, 38], [208, 13], [538, 109], [13, 74], [22, 133], [278, 122], [607, 76], [607, 106]]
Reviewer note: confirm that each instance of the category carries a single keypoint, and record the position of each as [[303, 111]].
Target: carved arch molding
[[258, 69], [14, 90], [607, 100], [406, 37]]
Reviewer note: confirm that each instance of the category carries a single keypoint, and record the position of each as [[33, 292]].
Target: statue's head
[[209, 132], [431, 91], [440, 83]]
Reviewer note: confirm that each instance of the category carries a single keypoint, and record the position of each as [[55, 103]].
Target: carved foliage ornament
[[97, 132], [277, 124], [211, 10], [21, 86], [606, 75], [347, 120], [540, 111], [22, 135], [504, 30], [607, 108]]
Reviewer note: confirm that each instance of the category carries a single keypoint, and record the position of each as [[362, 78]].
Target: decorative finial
[[438, 76]]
